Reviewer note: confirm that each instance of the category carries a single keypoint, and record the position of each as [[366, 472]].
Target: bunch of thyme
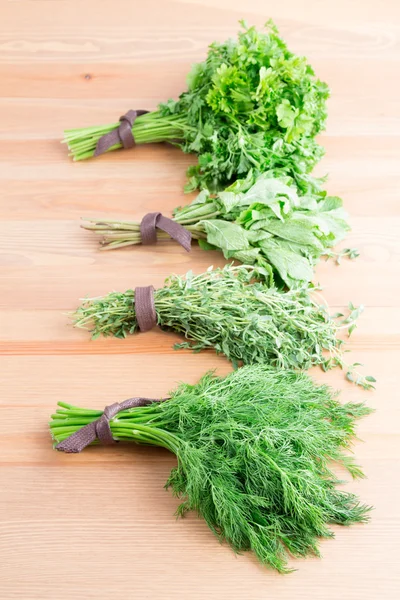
[[254, 452], [229, 310]]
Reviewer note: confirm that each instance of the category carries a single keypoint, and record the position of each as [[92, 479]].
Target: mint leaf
[[204, 245], [226, 235], [289, 265], [265, 191]]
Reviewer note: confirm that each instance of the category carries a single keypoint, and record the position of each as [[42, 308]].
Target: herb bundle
[[262, 221], [252, 104], [254, 451], [229, 311]]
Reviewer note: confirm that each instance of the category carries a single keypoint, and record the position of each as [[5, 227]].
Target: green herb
[[226, 309], [254, 457], [261, 221], [252, 104], [351, 253]]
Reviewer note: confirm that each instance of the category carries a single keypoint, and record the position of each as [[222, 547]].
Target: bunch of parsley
[[251, 105], [254, 454]]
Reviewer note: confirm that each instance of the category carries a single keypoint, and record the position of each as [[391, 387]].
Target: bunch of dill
[[233, 313], [254, 452]]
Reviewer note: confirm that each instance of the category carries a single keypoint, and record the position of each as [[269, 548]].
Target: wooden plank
[[100, 524]]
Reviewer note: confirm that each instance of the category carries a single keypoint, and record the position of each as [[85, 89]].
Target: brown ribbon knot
[[145, 309], [122, 135], [153, 221], [100, 428]]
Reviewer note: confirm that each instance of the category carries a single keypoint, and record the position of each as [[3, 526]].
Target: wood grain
[[100, 524]]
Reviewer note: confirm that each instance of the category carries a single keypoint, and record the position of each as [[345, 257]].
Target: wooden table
[[100, 524]]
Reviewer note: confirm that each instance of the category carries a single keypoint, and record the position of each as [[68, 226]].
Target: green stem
[[196, 212], [116, 234], [149, 128], [141, 425]]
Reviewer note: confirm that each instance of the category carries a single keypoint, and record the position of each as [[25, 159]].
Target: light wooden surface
[[100, 524]]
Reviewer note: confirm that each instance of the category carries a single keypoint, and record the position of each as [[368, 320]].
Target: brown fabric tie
[[153, 221], [122, 135], [100, 428], [145, 309]]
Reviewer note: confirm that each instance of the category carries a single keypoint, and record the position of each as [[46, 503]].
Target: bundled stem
[[149, 128], [254, 453], [228, 310], [119, 234]]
